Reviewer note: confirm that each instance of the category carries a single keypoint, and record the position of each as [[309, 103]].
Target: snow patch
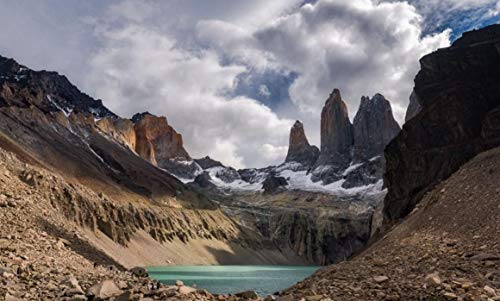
[[300, 180], [351, 168], [66, 111]]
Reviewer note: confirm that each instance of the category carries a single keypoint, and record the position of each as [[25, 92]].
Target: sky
[[232, 76]]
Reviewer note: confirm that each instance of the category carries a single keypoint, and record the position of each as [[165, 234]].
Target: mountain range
[[414, 209]]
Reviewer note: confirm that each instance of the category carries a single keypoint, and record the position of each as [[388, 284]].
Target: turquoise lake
[[264, 280]]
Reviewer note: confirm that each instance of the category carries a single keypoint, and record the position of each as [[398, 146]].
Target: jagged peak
[[335, 97], [140, 116], [377, 101], [298, 124], [207, 162]]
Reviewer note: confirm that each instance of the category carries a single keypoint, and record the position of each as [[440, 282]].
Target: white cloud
[[264, 91], [141, 69], [495, 11], [359, 46]]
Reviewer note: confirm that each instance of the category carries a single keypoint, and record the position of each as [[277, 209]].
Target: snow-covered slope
[[296, 176]]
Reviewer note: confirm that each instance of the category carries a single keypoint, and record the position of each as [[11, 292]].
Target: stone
[[139, 272], [484, 257], [104, 289], [179, 283], [61, 243], [186, 290], [247, 295], [433, 279], [314, 298], [9, 297], [125, 296], [79, 298], [299, 149], [380, 279], [450, 296], [285, 298], [489, 290]]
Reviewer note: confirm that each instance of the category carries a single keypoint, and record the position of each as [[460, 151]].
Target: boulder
[[139, 272], [104, 289], [248, 295], [186, 290]]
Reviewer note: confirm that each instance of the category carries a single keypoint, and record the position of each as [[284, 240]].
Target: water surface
[[229, 279]]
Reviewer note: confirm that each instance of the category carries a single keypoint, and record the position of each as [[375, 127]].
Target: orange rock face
[[336, 131], [121, 129], [157, 141], [150, 136], [299, 149]]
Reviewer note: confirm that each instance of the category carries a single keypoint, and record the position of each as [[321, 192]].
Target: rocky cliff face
[[374, 127], [154, 140], [353, 153], [299, 149], [458, 90], [336, 132], [414, 107], [47, 91], [157, 141], [318, 227]]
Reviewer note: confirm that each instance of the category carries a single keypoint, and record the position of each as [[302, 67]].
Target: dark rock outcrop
[[322, 238], [207, 162], [458, 90], [203, 181], [368, 172], [374, 127], [47, 91], [299, 149], [273, 184], [414, 107], [336, 132]]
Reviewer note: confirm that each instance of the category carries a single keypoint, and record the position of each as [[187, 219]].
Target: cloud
[[460, 15], [140, 68], [264, 91], [360, 46]]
